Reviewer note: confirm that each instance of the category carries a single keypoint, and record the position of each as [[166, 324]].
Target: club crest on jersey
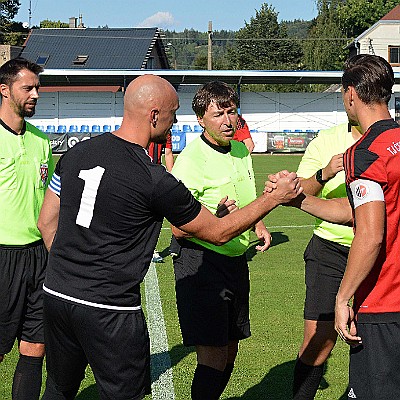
[[44, 173], [361, 191]]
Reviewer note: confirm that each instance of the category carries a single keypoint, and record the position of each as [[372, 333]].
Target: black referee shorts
[[212, 295], [374, 365], [22, 271], [325, 266]]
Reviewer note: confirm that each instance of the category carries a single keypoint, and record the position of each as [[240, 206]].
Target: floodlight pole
[[30, 13]]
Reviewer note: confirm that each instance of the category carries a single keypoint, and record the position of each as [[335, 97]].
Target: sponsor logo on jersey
[[44, 173], [361, 191]]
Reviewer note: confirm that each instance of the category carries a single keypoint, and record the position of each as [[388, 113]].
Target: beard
[[22, 110], [28, 113], [25, 112], [162, 139], [159, 140], [353, 122]]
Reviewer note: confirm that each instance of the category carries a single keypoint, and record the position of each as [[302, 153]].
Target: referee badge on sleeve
[[44, 173]]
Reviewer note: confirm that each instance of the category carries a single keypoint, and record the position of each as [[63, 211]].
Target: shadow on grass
[[277, 385], [277, 238], [174, 357]]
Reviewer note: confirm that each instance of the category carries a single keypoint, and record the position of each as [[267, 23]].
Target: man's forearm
[[337, 211], [362, 257]]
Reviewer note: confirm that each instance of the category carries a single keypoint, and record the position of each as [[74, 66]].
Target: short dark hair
[[371, 76], [216, 91], [10, 69]]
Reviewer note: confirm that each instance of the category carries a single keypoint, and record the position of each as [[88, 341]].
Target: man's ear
[[352, 95], [4, 90], [154, 114], [200, 121]]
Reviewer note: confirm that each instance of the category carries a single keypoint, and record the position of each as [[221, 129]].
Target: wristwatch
[[318, 177]]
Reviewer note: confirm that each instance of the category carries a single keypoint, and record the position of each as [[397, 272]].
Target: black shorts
[[325, 266], [374, 365], [115, 344], [212, 295], [22, 271]]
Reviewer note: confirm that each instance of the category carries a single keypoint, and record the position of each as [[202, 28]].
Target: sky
[[173, 15]]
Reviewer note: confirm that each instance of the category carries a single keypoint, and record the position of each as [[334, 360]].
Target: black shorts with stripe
[[212, 294]]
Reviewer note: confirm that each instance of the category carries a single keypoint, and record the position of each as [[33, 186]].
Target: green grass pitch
[[264, 366]]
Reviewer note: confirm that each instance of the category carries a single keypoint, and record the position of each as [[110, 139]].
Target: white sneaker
[[156, 257]]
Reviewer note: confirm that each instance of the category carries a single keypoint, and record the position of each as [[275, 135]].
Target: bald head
[[148, 91], [150, 104]]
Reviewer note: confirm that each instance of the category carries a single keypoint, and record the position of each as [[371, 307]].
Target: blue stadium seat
[[95, 128], [197, 128], [73, 128], [40, 127], [117, 127], [61, 129], [106, 128], [298, 130], [187, 128], [175, 128], [50, 129], [84, 128], [287, 130]]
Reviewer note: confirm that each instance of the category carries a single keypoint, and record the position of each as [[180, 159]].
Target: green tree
[[46, 23], [8, 10], [263, 43], [324, 48], [356, 16]]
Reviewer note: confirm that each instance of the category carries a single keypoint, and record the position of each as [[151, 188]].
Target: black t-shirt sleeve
[[173, 200]]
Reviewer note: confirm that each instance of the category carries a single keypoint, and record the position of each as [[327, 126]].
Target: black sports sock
[[306, 380], [27, 378], [206, 383], [52, 393], [226, 375]]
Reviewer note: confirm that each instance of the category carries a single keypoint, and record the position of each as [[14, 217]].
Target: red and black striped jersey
[[376, 157]]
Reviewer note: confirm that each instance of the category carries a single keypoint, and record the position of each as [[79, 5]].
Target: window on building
[[150, 63], [42, 60], [80, 60], [394, 55]]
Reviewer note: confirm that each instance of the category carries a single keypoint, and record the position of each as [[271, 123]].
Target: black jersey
[[112, 203]]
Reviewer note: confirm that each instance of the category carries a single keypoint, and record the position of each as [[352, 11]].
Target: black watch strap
[[318, 177]]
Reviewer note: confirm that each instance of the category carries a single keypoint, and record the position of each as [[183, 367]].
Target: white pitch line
[[162, 386]]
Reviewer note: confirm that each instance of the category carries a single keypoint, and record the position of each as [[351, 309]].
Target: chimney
[[72, 22], [80, 22]]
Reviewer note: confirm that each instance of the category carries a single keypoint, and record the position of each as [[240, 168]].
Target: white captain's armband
[[365, 191], [55, 184]]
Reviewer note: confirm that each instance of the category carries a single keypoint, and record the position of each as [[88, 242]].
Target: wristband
[[318, 177]]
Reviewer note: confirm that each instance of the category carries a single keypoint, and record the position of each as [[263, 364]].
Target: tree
[[356, 16], [324, 48], [46, 23], [264, 44], [8, 10]]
